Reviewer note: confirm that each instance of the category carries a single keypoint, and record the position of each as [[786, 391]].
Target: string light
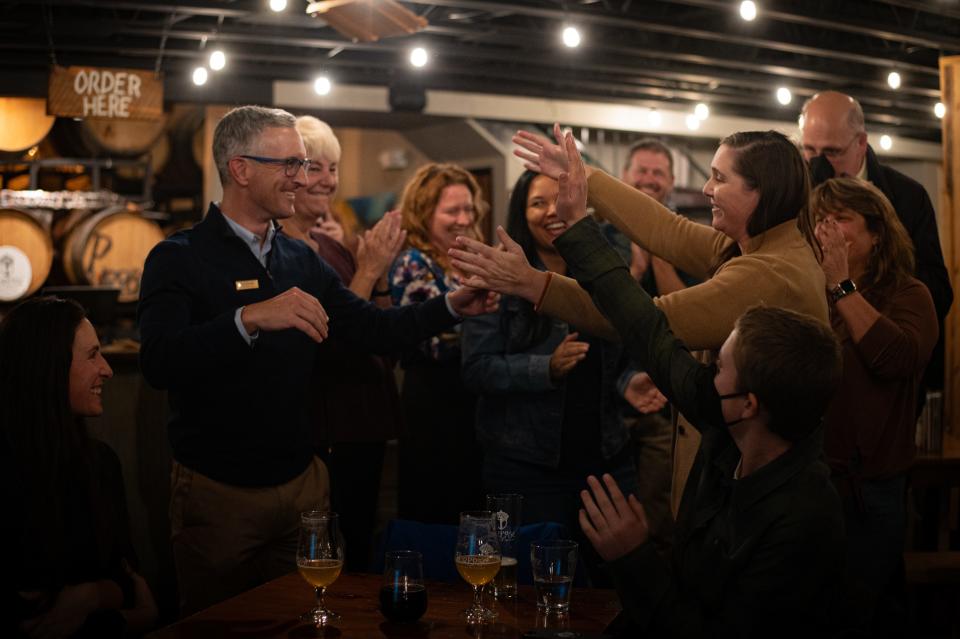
[[571, 37], [940, 109], [894, 80], [322, 85], [886, 142], [748, 10], [200, 76], [419, 57], [702, 111], [218, 60], [278, 5], [784, 96]]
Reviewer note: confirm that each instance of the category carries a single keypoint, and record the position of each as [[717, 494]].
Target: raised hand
[[643, 395], [379, 246], [291, 309], [540, 154], [327, 225], [572, 194], [614, 525], [834, 245], [504, 269], [566, 355]]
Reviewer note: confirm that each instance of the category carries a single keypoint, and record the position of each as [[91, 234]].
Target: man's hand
[[468, 301], [643, 395], [615, 526], [70, 610], [568, 354], [291, 309], [504, 269]]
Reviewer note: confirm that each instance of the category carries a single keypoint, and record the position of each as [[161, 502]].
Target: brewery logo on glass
[[504, 530], [15, 273]]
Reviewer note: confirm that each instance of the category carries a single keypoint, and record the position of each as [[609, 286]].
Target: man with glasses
[[834, 141], [231, 313]]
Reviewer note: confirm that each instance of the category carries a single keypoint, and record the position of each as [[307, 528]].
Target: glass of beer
[[320, 559], [506, 512], [403, 597], [478, 559]]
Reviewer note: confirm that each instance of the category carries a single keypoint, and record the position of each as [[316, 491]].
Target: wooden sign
[[91, 92]]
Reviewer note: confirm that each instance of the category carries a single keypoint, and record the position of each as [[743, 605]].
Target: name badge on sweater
[[247, 285]]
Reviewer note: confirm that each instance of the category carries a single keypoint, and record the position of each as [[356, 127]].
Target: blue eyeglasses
[[291, 166]]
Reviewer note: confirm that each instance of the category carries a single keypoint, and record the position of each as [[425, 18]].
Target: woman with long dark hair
[[68, 569]]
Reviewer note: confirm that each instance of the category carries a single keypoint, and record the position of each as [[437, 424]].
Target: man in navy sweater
[[230, 314]]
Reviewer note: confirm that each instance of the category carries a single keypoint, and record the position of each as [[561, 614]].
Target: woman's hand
[[540, 154], [834, 246], [568, 354], [70, 610], [504, 269], [379, 246], [572, 194], [468, 301], [326, 225]]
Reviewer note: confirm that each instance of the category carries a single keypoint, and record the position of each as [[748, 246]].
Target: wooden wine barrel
[[21, 230], [23, 123], [109, 248]]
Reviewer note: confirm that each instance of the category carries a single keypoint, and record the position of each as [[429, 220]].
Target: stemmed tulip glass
[[320, 559], [478, 559]]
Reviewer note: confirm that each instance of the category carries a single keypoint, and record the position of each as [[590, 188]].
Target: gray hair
[[855, 119], [238, 130], [318, 138], [654, 146]]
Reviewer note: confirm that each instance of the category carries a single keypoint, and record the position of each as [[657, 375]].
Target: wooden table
[[272, 610]]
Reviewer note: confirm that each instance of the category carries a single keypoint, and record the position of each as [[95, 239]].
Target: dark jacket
[[519, 408], [758, 556], [915, 210], [238, 413]]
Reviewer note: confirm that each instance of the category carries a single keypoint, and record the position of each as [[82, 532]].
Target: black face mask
[[820, 170], [730, 396]]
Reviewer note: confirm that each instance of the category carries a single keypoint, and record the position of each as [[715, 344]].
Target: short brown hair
[[654, 146], [772, 165], [419, 201], [792, 362], [892, 260]]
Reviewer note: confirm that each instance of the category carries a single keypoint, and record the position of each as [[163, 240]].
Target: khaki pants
[[227, 539], [652, 437]]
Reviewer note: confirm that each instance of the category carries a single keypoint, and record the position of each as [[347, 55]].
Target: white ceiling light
[[654, 118], [748, 10], [886, 142], [893, 80], [693, 122], [278, 5], [200, 76], [940, 109], [218, 60], [322, 85], [784, 96], [571, 37], [702, 111], [419, 57]]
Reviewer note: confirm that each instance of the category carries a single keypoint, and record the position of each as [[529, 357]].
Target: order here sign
[[93, 92]]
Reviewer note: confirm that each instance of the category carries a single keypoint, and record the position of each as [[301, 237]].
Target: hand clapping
[[614, 525]]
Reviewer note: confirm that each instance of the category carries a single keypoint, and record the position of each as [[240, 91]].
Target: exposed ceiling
[[638, 51]]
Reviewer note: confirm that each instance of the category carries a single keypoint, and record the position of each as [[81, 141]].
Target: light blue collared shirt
[[260, 247]]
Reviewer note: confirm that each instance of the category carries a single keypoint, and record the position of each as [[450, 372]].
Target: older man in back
[[834, 141]]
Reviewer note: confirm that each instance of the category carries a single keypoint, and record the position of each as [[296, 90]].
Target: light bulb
[[702, 111], [322, 85], [654, 118], [200, 76], [748, 10], [693, 122], [571, 37], [940, 109], [418, 57], [886, 142], [278, 5], [218, 60], [894, 80], [784, 96]]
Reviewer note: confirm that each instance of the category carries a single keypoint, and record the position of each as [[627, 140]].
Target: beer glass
[[477, 557], [506, 511], [403, 597], [319, 559], [554, 565]]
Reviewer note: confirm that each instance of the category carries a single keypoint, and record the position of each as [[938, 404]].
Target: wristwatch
[[842, 289]]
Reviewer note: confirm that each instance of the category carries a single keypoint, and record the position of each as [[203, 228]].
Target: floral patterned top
[[415, 277]]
